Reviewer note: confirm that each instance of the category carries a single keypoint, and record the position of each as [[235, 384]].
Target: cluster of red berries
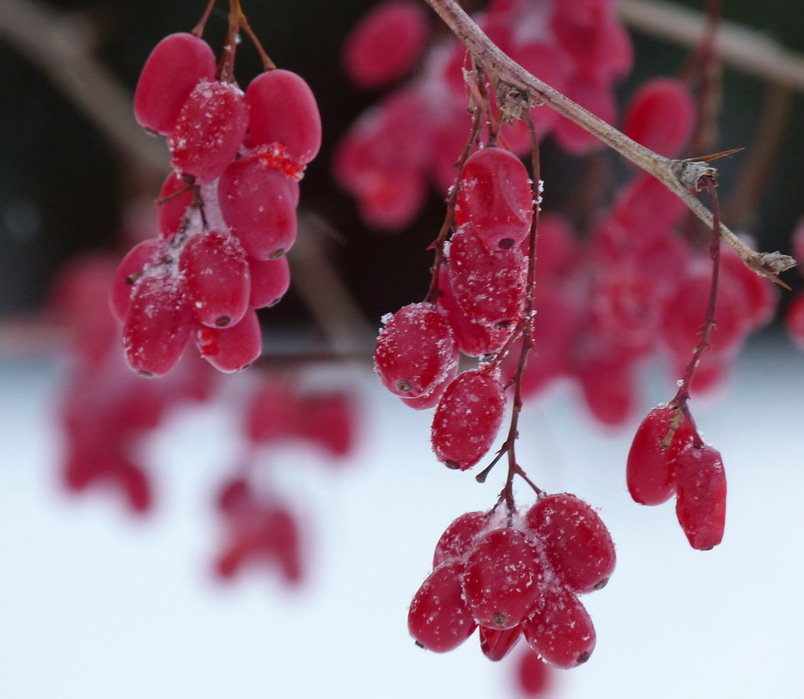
[[411, 137], [228, 212], [105, 410], [666, 459], [512, 576], [260, 526], [482, 288]]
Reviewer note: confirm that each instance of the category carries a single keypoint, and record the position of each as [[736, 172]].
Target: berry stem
[[438, 243], [525, 329], [683, 395], [199, 28]]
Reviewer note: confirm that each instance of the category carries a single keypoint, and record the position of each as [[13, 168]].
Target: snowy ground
[[95, 605]]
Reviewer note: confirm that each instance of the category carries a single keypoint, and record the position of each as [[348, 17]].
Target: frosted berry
[[560, 629], [701, 495], [209, 131], [467, 418], [459, 538], [282, 109], [496, 197], [216, 277], [415, 351], [502, 579], [575, 540], [438, 618]]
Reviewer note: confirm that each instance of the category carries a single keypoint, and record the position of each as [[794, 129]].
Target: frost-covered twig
[[680, 176]]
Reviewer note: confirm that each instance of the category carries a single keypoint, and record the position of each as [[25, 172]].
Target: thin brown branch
[[680, 176], [50, 42], [744, 49]]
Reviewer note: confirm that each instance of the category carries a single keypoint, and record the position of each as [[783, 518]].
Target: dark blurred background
[[64, 186]]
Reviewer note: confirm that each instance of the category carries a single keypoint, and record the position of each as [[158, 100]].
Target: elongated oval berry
[[438, 618], [701, 495], [459, 537], [496, 644], [270, 279], [488, 286], [576, 542], [496, 197], [233, 348], [473, 338], [650, 470], [283, 110], [415, 351], [216, 277], [209, 131], [559, 629], [176, 65], [129, 271], [258, 203], [661, 115], [467, 419], [386, 43], [502, 579], [157, 325]]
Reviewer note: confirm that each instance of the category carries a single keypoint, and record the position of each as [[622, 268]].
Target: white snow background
[[95, 604]]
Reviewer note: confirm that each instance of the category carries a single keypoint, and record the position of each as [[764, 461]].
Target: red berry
[[232, 348], [157, 325], [415, 351], [459, 538], [216, 277], [438, 618], [209, 131], [385, 43], [560, 630], [467, 418], [283, 110], [488, 286], [576, 542], [496, 198], [502, 579], [496, 644], [176, 65], [701, 495], [650, 470]]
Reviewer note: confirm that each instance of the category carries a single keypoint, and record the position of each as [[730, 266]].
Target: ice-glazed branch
[[51, 42], [516, 84]]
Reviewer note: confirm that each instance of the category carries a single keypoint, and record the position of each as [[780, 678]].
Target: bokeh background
[[96, 604]]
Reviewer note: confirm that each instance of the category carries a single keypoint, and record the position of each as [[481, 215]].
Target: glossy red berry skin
[[701, 495], [575, 540], [438, 618], [459, 538], [650, 468], [560, 629], [176, 65], [467, 419], [415, 351], [496, 644], [502, 579]]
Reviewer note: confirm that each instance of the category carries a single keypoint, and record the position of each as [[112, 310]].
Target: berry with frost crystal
[[467, 418], [701, 495], [575, 540], [416, 351]]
